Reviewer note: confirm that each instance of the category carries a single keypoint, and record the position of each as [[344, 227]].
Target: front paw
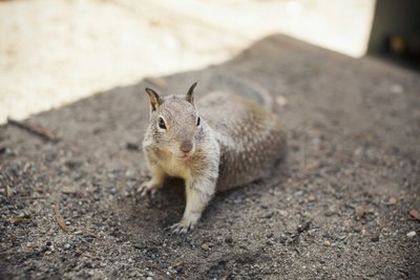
[[149, 187], [182, 227]]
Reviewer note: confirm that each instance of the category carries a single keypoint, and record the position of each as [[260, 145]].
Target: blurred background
[[54, 52]]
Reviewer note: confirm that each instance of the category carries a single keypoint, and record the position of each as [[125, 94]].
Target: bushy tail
[[252, 90], [259, 94]]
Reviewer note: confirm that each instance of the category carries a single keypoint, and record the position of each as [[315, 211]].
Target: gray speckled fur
[[237, 142], [250, 137]]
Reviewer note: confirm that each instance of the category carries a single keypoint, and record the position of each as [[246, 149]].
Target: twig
[[304, 144], [19, 219], [59, 219], [33, 197], [35, 129], [7, 191]]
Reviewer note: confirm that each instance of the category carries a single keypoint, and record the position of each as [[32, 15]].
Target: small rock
[[229, 240], [331, 212], [360, 212], [205, 247], [68, 223], [283, 213], [358, 152], [327, 243], [67, 246], [415, 214], [342, 237], [357, 228], [316, 142], [149, 278], [268, 216], [375, 238], [396, 88], [411, 234], [73, 164], [312, 166], [303, 227], [69, 190], [392, 201], [281, 100]]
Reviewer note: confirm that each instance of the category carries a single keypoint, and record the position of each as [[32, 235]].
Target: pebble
[[411, 234], [281, 100], [229, 240], [205, 247], [149, 278], [67, 246], [73, 164], [374, 238], [397, 88], [392, 201], [283, 213], [327, 243], [358, 152]]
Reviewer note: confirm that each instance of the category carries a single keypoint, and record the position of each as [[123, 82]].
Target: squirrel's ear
[[154, 98], [190, 96]]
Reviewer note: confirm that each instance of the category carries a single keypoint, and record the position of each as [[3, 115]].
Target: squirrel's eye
[[198, 121], [162, 124]]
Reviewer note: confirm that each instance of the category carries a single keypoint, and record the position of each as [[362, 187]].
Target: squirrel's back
[[250, 136]]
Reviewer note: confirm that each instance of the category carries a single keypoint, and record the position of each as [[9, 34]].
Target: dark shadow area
[[395, 32], [338, 209]]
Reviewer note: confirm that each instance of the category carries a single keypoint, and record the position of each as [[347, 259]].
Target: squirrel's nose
[[186, 146]]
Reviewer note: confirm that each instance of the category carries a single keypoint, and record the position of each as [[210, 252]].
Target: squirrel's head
[[175, 125]]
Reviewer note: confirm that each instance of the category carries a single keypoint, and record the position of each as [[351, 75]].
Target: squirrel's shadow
[[167, 206], [164, 208]]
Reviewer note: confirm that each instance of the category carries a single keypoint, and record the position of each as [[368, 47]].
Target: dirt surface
[[336, 209]]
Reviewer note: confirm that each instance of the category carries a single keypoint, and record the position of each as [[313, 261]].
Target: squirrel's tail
[[245, 88], [259, 94]]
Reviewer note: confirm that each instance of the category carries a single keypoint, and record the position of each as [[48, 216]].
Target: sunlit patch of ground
[[55, 52]]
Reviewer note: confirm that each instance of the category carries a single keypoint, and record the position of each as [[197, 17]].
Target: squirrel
[[223, 142]]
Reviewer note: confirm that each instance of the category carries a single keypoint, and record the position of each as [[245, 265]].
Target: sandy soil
[[336, 209]]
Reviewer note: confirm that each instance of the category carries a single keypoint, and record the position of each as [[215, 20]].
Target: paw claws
[[147, 188], [181, 228]]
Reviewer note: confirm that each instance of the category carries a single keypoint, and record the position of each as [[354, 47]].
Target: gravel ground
[[336, 209]]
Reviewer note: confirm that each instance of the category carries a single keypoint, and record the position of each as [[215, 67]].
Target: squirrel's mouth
[[184, 156], [181, 155]]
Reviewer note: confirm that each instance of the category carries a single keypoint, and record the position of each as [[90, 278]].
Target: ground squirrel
[[224, 142]]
